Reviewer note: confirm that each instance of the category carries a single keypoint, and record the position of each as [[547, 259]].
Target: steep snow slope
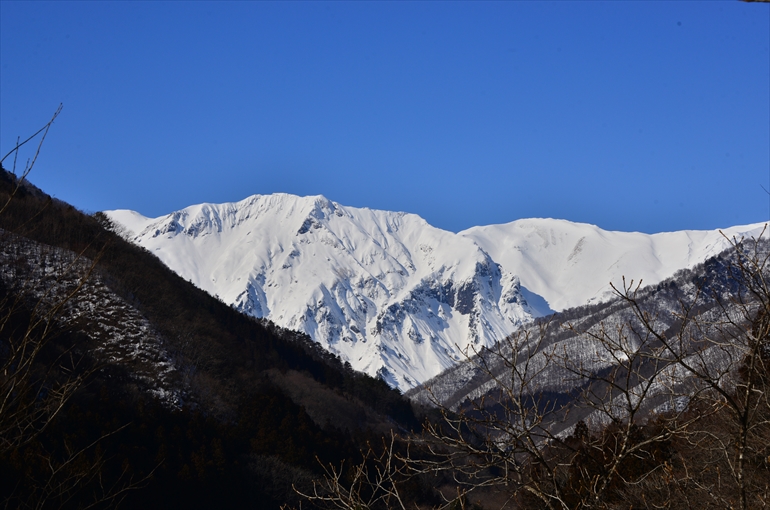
[[386, 291], [391, 294], [572, 264]]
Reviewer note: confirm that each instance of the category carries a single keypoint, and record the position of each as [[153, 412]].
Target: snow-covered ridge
[[388, 292], [571, 264]]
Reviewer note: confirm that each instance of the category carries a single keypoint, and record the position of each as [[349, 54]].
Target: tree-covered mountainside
[[125, 382]]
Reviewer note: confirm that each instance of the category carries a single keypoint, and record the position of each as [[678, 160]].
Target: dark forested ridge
[[254, 405]]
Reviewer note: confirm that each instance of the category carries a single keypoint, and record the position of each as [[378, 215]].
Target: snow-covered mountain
[[385, 291], [391, 294]]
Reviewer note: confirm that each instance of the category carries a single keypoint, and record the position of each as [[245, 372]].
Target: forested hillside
[[124, 382]]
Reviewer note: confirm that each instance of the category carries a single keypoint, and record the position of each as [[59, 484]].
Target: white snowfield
[[391, 294], [572, 264]]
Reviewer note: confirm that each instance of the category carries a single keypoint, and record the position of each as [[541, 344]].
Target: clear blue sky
[[648, 116]]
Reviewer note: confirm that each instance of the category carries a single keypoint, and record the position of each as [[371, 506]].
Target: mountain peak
[[388, 292]]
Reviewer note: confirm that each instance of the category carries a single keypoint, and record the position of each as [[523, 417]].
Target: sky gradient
[[634, 116]]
